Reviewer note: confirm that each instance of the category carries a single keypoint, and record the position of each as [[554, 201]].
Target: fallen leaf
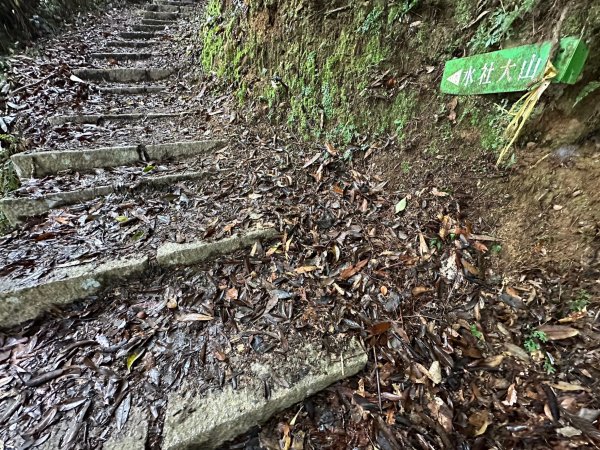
[[558, 332], [564, 386], [400, 206], [480, 421], [353, 270], [194, 317], [306, 269], [438, 193], [232, 294], [435, 372], [131, 359], [511, 396], [379, 328], [172, 303], [418, 290], [312, 160]]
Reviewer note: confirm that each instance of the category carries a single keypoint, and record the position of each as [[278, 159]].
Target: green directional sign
[[513, 69]]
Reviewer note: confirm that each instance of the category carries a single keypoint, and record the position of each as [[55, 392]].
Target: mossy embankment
[[361, 72], [338, 69]]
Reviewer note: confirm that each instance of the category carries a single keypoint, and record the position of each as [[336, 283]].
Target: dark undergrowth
[[25, 20]]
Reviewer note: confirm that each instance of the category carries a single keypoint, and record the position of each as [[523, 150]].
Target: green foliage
[[492, 128], [9, 181], [372, 22], [581, 302], [586, 90], [435, 243], [549, 365], [405, 167], [533, 340], [399, 9], [496, 249], [499, 25], [476, 333]]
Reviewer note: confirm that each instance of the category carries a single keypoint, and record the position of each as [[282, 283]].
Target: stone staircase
[[84, 177]]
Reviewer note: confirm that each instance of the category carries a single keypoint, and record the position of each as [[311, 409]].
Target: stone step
[[122, 56], [176, 3], [208, 420], [18, 209], [161, 8], [157, 22], [123, 75], [22, 300], [62, 286], [136, 35], [133, 44], [40, 164], [170, 255], [149, 28], [132, 89], [161, 15], [97, 119]]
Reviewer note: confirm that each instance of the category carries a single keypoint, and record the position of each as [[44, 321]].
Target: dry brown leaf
[[573, 317], [480, 247], [515, 350], [564, 386], [194, 317], [353, 270], [480, 421], [511, 396], [418, 290], [423, 249], [558, 332], [305, 269], [172, 303], [379, 328], [232, 294]]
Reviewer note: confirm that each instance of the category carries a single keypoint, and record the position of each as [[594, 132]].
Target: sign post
[[514, 69]]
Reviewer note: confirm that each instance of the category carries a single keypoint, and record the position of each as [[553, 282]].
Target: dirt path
[[176, 276]]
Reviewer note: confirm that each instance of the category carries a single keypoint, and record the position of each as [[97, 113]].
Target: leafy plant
[[532, 343], [498, 27], [476, 333], [549, 366], [405, 167], [581, 301], [496, 249], [435, 242]]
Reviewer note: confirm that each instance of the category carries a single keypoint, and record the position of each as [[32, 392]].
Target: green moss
[[9, 181]]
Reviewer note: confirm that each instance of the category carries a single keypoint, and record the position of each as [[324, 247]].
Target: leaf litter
[[459, 354]]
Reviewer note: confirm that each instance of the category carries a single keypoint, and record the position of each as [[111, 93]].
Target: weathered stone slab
[[132, 44], [17, 209], [123, 75], [118, 56], [136, 35], [171, 254], [161, 8], [208, 421], [132, 89], [97, 118], [157, 22], [63, 285], [161, 15], [133, 435], [148, 28], [39, 164]]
